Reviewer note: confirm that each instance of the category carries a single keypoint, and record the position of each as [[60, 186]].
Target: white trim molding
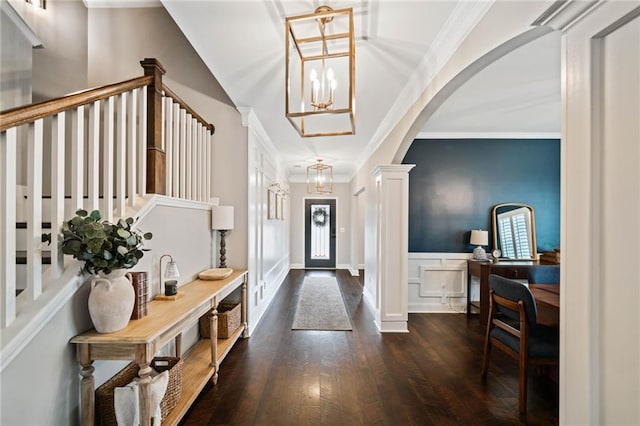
[[392, 242], [485, 135]]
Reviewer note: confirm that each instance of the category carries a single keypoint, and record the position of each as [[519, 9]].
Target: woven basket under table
[[229, 318], [105, 410]]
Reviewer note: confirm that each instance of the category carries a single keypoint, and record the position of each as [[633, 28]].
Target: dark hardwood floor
[[430, 376]]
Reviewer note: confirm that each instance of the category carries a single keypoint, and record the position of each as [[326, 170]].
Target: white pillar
[[600, 233], [392, 246]]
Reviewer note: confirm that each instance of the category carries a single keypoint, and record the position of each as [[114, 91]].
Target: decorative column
[[391, 204], [156, 157]]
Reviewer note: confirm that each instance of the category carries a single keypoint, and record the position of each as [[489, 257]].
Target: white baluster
[[142, 145], [168, 143], [93, 157], [203, 164], [206, 163], [196, 160], [8, 161], [189, 144], [34, 210], [121, 138], [209, 163], [57, 189], [132, 145], [200, 162], [176, 150], [77, 158], [107, 162], [183, 153]]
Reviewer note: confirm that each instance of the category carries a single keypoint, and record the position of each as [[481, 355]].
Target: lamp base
[[479, 253]]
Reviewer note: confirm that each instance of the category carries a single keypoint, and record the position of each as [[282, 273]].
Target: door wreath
[[319, 217]]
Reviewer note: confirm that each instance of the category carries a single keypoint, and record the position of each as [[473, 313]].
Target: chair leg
[[523, 373], [485, 358]]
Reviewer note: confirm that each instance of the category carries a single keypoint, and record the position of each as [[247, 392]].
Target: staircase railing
[[104, 148]]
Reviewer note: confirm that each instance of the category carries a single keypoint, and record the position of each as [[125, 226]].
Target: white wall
[[62, 27], [341, 193], [15, 62], [268, 239], [357, 231]]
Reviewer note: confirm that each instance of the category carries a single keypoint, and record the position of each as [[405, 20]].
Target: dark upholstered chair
[[512, 328], [544, 274]]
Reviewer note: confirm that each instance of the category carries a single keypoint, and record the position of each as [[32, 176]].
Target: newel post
[[156, 161]]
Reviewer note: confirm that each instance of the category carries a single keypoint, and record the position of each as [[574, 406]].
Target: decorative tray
[[215, 274]]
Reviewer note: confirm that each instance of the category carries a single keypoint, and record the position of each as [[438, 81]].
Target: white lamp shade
[[479, 238], [172, 270], [222, 218]]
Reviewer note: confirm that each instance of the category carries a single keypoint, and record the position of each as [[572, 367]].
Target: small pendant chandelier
[[320, 72], [319, 178]]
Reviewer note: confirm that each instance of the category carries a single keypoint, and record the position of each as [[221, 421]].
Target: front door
[[320, 233]]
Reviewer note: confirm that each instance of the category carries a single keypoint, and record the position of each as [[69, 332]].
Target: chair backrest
[[544, 274], [514, 291]]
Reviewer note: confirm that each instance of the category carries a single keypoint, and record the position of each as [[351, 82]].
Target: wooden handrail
[[21, 115], [170, 93]]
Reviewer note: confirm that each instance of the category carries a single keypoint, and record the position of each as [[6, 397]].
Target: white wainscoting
[[438, 282]]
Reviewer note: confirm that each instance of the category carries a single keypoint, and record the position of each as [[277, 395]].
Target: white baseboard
[[435, 306], [392, 326]]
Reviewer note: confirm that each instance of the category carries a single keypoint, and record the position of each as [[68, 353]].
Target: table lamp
[[222, 221], [479, 238]]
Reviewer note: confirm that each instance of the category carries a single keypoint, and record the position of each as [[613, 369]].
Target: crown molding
[[563, 14], [102, 4], [488, 135], [251, 121]]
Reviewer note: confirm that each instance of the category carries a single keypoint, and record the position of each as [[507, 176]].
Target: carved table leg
[[243, 301], [144, 397], [87, 385], [213, 323]]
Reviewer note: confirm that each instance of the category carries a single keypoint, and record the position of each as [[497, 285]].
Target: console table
[[514, 269], [166, 320]]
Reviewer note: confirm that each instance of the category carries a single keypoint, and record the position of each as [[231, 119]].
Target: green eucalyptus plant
[[101, 245]]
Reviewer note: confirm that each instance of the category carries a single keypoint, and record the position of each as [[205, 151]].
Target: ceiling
[[397, 43]]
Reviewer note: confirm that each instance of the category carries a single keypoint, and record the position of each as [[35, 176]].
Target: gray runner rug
[[321, 306]]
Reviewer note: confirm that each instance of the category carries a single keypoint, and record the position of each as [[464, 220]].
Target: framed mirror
[[514, 231]]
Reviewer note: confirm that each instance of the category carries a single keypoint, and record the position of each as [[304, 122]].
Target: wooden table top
[[163, 315], [545, 297]]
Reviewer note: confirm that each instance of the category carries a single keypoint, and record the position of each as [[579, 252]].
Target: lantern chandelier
[[319, 178], [320, 72]]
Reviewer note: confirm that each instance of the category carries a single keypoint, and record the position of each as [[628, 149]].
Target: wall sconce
[[479, 238], [42, 4], [222, 221], [275, 187], [171, 274]]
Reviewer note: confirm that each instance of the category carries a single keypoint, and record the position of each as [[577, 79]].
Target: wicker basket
[[105, 411], [228, 320]]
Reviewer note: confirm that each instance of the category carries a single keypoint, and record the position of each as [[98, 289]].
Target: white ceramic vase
[[111, 301]]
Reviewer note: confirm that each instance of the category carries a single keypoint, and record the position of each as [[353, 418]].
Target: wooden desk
[[548, 303], [142, 338], [514, 269]]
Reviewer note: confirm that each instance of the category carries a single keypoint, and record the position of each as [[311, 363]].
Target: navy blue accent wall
[[456, 182]]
